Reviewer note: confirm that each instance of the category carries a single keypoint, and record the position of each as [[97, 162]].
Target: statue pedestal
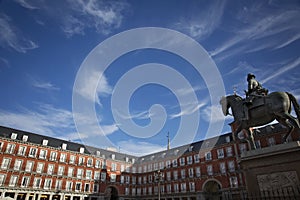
[[272, 168]]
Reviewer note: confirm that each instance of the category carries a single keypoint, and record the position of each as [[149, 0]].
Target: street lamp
[[158, 177]]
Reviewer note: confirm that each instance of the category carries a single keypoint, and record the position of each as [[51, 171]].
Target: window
[[133, 191], [208, 156], [271, 141], [22, 150], [150, 178], [127, 179], [183, 173], [61, 170], [47, 183], [13, 181], [209, 170], [43, 154], [197, 158], [176, 188], [168, 163], [122, 179], [183, 187], [133, 178], [53, 156], [80, 160], [103, 176], [168, 176], [32, 152], [39, 168], [78, 187], [10, 148], [182, 161], [161, 165], [88, 174], [150, 190], [127, 191], [72, 159], [233, 182], [198, 172], [231, 166], [139, 180], [229, 151], [58, 184], [96, 188], [98, 164], [145, 179], [113, 178], [222, 168], [220, 153], [2, 179], [13, 136], [25, 181], [243, 147], [97, 175], [90, 162], [64, 146], [174, 163], [69, 185], [45, 142], [190, 160], [257, 144], [86, 187], [191, 172], [37, 182], [113, 156], [29, 166], [192, 186], [18, 165], [63, 157], [81, 150], [169, 188], [113, 167], [5, 163], [175, 175], [50, 169], [25, 138], [79, 173]]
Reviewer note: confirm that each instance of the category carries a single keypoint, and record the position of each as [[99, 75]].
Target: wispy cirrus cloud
[[47, 120], [261, 27], [45, 85], [205, 22], [12, 37], [76, 16], [144, 148]]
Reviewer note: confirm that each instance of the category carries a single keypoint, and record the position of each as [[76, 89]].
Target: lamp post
[[158, 177]]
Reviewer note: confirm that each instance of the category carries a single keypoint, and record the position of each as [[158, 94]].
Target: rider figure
[[254, 89]]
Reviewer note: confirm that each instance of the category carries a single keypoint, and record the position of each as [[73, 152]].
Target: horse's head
[[229, 101], [225, 105]]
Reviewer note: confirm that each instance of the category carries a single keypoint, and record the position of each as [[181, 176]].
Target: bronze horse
[[276, 105]]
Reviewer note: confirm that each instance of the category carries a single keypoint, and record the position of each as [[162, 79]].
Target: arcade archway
[[212, 190], [111, 193]]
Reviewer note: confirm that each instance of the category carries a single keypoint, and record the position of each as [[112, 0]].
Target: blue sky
[[45, 47]]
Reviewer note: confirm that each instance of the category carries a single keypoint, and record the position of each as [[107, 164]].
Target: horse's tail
[[295, 104]]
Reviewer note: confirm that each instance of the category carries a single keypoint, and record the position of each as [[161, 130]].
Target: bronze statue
[[263, 110]]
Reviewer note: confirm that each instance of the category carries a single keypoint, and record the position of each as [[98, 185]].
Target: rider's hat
[[250, 75]]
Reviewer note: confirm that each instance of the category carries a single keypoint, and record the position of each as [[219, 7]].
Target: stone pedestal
[[272, 168]]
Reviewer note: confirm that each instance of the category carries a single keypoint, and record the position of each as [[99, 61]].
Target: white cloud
[[144, 148], [46, 120], [11, 36], [91, 81], [45, 85], [205, 22], [259, 30], [188, 110]]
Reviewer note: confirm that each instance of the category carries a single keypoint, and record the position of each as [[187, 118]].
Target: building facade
[[37, 167]]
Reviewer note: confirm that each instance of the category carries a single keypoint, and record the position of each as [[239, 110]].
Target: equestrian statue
[[260, 108]]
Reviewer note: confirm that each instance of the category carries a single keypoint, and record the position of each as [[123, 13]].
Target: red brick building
[[36, 167]]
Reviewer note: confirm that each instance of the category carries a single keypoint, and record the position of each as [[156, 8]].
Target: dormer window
[[14, 136], [113, 156], [64, 146], [81, 150], [25, 138], [45, 142]]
